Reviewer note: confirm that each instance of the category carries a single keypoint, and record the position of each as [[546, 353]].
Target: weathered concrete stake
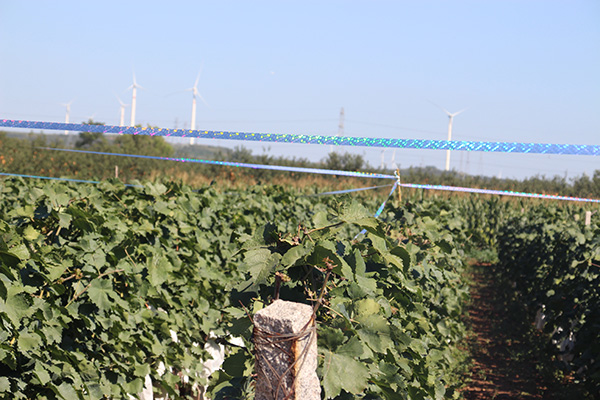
[[588, 218], [285, 339]]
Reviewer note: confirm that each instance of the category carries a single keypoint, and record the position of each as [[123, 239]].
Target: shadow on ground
[[509, 357]]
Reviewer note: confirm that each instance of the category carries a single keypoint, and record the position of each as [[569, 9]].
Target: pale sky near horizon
[[525, 70]]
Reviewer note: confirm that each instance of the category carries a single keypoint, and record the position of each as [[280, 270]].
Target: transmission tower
[[341, 125], [340, 129]]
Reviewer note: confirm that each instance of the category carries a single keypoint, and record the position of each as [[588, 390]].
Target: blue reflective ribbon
[[380, 209], [503, 147]]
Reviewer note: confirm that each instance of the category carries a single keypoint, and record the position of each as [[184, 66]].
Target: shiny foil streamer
[[502, 147]]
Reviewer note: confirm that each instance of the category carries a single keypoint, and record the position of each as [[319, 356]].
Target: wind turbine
[[451, 118], [68, 113], [123, 105], [393, 161], [195, 94], [133, 88]]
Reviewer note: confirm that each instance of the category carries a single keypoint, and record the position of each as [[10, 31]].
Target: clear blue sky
[[526, 70]]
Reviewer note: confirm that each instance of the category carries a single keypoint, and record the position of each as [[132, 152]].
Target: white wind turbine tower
[[123, 105], [133, 88], [451, 118], [393, 161], [195, 94], [68, 113]]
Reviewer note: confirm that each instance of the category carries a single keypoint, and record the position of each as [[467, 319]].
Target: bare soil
[[508, 358]]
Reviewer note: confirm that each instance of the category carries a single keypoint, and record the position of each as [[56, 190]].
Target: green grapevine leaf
[[30, 233], [99, 291], [4, 384], [336, 367]]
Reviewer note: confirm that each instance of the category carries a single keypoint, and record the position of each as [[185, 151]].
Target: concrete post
[[285, 339], [588, 217]]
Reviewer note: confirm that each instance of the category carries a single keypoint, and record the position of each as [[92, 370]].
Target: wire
[[350, 190], [58, 179], [237, 164], [498, 192], [342, 173]]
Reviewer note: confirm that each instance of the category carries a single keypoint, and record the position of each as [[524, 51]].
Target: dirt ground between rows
[[503, 345]]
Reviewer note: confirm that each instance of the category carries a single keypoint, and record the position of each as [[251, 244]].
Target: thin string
[[237, 164], [498, 192], [59, 179], [357, 174], [350, 190]]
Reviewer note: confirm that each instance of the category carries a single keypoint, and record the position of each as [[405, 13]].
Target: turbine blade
[[459, 112], [121, 101], [446, 111], [135, 84], [204, 101], [438, 106]]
